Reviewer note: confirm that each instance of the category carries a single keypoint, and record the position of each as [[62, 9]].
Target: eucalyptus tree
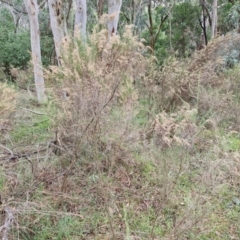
[[186, 30], [162, 13], [81, 17], [32, 10], [132, 9], [114, 8], [100, 7], [57, 25], [214, 18], [204, 20], [57, 16]]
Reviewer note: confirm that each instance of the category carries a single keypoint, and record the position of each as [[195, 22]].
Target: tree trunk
[[32, 9], [114, 7], [203, 21], [100, 5], [56, 18], [153, 35], [214, 19], [133, 12], [150, 28], [81, 17]]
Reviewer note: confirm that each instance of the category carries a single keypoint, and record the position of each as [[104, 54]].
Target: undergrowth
[[124, 150], [8, 99]]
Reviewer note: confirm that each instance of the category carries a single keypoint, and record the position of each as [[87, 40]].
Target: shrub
[[177, 128], [93, 88], [15, 49]]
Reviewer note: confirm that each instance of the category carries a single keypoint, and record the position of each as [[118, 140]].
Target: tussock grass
[[124, 150], [8, 100]]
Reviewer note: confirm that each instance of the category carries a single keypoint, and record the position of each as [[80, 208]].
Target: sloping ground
[[129, 171]]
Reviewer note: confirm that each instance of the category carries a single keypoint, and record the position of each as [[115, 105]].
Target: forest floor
[[149, 193], [172, 174]]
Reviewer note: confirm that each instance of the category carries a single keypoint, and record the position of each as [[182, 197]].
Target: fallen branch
[[38, 113], [5, 228], [14, 156]]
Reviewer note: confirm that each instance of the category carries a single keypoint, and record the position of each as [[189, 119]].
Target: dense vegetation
[[134, 142]]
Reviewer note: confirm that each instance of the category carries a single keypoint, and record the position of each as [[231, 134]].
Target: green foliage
[[232, 18], [15, 46], [63, 228], [7, 21], [46, 38], [226, 18], [14, 49], [47, 49], [162, 44], [185, 28], [232, 143], [181, 30], [35, 130]]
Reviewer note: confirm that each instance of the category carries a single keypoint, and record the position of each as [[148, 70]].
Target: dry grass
[[86, 168], [96, 97], [8, 98]]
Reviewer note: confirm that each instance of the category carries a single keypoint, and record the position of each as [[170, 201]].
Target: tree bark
[[81, 18], [100, 4], [114, 7], [150, 28], [214, 19], [57, 18], [154, 36], [133, 12], [203, 23], [204, 6], [32, 10]]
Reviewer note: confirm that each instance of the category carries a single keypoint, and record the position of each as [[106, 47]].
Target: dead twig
[[6, 149]]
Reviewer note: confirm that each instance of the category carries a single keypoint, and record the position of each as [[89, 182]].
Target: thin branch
[[6, 149], [163, 19], [10, 4], [127, 18], [150, 16], [201, 23], [17, 155], [111, 97], [38, 113], [85, 130], [42, 3], [207, 11]]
